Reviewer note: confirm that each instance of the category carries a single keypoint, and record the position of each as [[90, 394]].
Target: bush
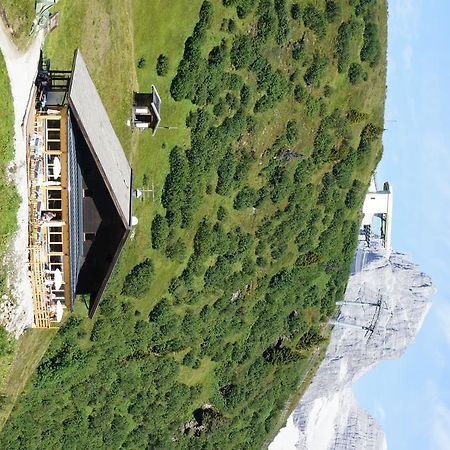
[[355, 116], [141, 63], [356, 73], [332, 11], [232, 27], [298, 49], [370, 50], [242, 52], [316, 70], [300, 93], [137, 282], [295, 11], [6, 342], [246, 197], [283, 22], [348, 33], [292, 132], [176, 251], [315, 20], [162, 65], [160, 230], [221, 213]]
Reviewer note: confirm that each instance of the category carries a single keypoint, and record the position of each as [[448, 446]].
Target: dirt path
[[17, 313]]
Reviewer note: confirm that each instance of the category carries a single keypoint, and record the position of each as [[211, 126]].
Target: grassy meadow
[[272, 113], [19, 15]]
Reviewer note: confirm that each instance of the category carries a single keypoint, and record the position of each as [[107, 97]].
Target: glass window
[[53, 145], [56, 248], [56, 238], [54, 194], [54, 204], [56, 260], [55, 124], [53, 135]]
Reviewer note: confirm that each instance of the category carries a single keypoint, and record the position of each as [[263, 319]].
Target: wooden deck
[[40, 253], [40, 293]]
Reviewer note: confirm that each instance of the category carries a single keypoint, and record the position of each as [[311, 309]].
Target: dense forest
[[201, 343]]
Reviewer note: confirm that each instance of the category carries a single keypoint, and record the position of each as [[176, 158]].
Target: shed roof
[[91, 115]]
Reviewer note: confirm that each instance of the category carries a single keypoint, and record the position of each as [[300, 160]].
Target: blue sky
[[411, 397]]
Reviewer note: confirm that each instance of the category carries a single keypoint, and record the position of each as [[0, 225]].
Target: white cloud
[[379, 412], [408, 13], [440, 432], [443, 313], [407, 55]]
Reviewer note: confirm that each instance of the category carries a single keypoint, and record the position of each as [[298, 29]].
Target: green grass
[[29, 350], [19, 15]]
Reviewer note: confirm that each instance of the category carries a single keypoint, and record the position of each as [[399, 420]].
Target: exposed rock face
[[328, 416], [16, 309]]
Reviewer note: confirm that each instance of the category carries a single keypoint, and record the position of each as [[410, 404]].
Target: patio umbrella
[[59, 311], [56, 167], [58, 279]]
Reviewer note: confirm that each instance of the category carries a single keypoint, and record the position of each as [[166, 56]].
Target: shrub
[[242, 52], [298, 49], [355, 116], [137, 282], [356, 73], [300, 93], [348, 33], [283, 22], [159, 231], [295, 11], [315, 20], [221, 213], [332, 11], [370, 50], [245, 95], [292, 132], [245, 198], [162, 65], [176, 251], [232, 27], [316, 70], [6, 342], [141, 63]]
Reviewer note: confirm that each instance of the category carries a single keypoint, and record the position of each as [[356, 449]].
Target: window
[[55, 238], [54, 199], [56, 261], [53, 124], [53, 145], [53, 135], [59, 295], [56, 248], [53, 168]]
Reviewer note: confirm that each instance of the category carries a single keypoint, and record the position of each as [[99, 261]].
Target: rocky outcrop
[[386, 301]]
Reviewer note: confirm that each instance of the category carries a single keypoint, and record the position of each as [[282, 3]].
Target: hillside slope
[[221, 295]]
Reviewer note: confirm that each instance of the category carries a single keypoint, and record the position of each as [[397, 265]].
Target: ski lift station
[[379, 203], [80, 192]]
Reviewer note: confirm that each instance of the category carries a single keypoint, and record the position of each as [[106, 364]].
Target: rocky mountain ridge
[[386, 301]]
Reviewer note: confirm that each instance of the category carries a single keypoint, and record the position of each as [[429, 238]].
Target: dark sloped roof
[[91, 115], [107, 174]]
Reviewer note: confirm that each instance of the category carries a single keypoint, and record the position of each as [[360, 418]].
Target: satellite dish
[[137, 193], [134, 221]]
